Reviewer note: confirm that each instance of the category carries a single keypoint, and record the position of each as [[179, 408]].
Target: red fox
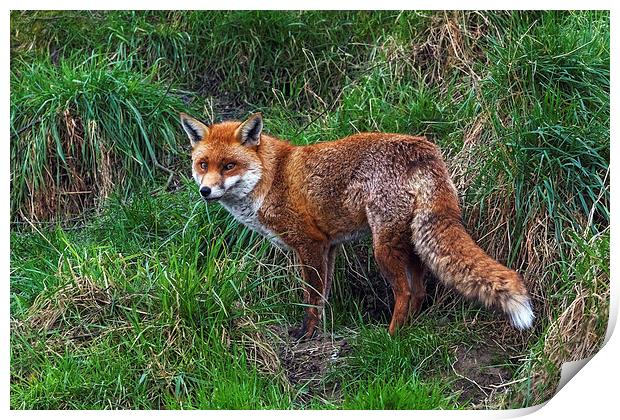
[[309, 199]]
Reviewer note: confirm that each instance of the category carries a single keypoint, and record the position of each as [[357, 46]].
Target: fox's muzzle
[[211, 193], [205, 192]]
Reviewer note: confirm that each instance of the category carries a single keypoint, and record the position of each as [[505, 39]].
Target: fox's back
[[336, 181], [373, 162]]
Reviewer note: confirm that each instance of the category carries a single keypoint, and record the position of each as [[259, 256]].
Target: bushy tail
[[452, 255]]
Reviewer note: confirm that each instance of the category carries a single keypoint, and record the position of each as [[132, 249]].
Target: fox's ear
[[195, 129], [249, 131]]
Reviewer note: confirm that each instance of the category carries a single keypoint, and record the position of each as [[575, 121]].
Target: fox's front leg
[[315, 260]]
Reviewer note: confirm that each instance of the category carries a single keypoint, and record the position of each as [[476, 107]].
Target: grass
[[187, 308], [126, 292], [73, 151]]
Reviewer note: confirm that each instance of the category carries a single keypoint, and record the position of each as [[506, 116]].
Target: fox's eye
[[203, 165], [229, 166]]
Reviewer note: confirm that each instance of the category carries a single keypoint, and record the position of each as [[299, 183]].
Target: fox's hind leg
[[329, 276], [415, 275], [393, 259]]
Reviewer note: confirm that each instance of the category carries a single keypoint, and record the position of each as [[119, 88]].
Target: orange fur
[[312, 198]]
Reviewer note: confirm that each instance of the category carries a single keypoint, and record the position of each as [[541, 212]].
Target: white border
[[592, 393]]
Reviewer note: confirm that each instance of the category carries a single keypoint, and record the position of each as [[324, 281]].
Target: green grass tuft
[[82, 129]]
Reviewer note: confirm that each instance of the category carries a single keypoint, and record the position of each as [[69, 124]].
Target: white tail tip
[[519, 309]]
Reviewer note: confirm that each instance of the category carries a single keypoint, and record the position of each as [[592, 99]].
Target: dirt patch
[[484, 373], [307, 363]]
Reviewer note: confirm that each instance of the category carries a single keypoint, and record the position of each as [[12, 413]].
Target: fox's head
[[225, 162]]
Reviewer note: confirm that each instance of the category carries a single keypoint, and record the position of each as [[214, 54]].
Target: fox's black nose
[[205, 192]]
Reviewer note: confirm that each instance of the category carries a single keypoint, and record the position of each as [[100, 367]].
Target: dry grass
[[79, 311], [451, 42]]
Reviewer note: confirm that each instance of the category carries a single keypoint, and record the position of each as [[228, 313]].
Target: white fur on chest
[[245, 211]]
